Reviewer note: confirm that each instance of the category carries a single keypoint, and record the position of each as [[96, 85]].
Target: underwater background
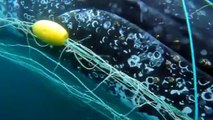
[[119, 30], [25, 97]]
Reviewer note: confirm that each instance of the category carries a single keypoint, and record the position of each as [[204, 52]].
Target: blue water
[[25, 96]]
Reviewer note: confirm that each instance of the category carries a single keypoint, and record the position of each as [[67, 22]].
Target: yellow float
[[50, 32]]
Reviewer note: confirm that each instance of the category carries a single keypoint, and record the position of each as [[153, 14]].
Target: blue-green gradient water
[[24, 96]]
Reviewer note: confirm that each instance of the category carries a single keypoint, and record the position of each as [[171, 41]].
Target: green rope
[[193, 59]]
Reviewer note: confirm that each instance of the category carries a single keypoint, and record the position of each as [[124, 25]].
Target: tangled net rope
[[88, 96]]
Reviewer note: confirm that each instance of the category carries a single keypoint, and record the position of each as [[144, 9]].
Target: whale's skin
[[137, 53], [129, 49]]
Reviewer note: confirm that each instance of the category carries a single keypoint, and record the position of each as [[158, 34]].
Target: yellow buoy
[[50, 32]]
